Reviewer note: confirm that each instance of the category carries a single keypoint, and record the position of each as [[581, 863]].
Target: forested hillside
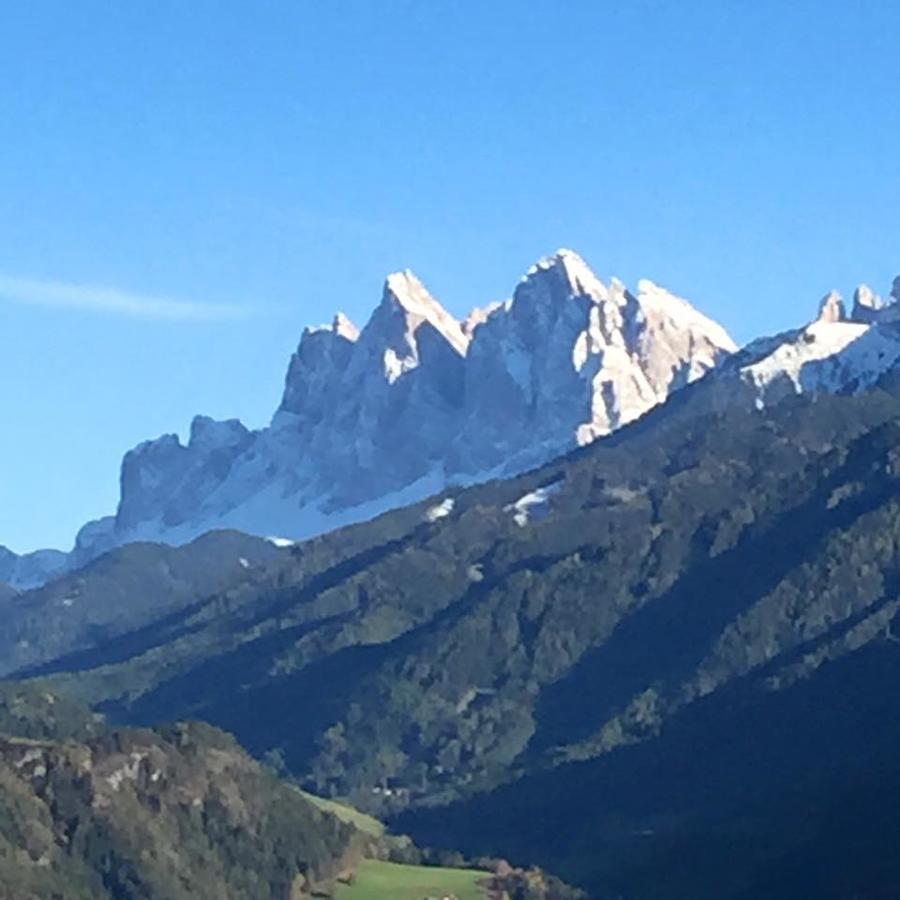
[[88, 812], [597, 609]]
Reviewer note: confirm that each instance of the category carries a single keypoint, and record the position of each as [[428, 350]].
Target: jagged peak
[[652, 296], [831, 308], [480, 314], [162, 443], [567, 274], [895, 290], [407, 289], [865, 296], [648, 287], [343, 327], [404, 291], [562, 257], [868, 307], [565, 261], [208, 433]]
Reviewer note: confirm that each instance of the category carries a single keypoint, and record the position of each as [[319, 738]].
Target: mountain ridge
[[376, 417], [417, 401], [492, 646]]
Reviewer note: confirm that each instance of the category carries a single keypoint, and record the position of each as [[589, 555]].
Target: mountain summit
[[415, 400], [376, 417], [570, 359]]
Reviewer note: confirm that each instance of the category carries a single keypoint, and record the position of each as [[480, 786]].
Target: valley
[[600, 666]]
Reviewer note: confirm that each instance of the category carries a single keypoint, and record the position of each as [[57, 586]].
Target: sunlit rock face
[[570, 359], [374, 417]]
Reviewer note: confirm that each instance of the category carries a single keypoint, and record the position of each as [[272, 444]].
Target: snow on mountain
[[533, 505], [835, 353], [416, 400]]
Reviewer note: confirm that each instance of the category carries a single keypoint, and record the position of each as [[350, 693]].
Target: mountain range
[[88, 812], [415, 401], [673, 640], [374, 418], [655, 663]]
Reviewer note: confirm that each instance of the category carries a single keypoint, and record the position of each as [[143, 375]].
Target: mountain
[[178, 811], [671, 643], [835, 353], [31, 569], [88, 810], [695, 579], [751, 792], [120, 592], [416, 400]]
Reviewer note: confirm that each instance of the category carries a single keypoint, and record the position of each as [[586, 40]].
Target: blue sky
[[229, 172]]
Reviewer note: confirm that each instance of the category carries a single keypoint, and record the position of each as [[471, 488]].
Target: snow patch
[[827, 356], [533, 505], [441, 511]]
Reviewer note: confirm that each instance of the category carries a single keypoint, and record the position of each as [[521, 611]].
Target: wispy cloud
[[114, 301]]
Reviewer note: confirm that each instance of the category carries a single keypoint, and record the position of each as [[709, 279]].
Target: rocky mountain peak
[[376, 417], [322, 355], [480, 315], [895, 289], [562, 274], [866, 304], [570, 359], [831, 307], [343, 327], [404, 292], [208, 434], [407, 322]]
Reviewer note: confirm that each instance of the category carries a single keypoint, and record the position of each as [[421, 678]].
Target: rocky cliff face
[[390, 413], [415, 400], [570, 359]]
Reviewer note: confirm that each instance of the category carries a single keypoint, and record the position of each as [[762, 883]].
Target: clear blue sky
[[268, 163]]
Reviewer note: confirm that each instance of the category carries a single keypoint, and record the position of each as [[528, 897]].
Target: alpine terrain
[[414, 401], [657, 663]]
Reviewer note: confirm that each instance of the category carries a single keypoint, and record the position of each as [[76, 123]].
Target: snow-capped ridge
[[836, 353]]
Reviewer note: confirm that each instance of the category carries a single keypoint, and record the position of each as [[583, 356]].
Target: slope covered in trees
[[564, 622], [177, 811]]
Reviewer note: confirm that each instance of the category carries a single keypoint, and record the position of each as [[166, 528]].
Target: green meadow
[[377, 880]]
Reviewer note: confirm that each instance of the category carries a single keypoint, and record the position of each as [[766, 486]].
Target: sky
[[184, 186]]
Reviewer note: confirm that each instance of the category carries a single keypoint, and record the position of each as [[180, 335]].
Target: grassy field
[[390, 881], [347, 814]]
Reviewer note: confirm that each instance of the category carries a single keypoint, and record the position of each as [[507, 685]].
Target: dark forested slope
[[175, 812], [569, 618]]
